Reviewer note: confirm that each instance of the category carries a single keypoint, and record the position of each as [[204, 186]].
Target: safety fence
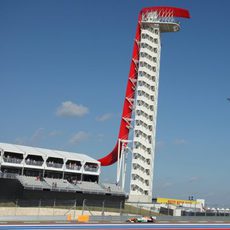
[[93, 210], [69, 210], [73, 207]]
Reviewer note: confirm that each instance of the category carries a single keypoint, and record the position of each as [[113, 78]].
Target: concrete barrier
[[83, 218]]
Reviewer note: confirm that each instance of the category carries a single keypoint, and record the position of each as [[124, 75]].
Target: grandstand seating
[[59, 184], [35, 182], [64, 185], [113, 188], [91, 186]]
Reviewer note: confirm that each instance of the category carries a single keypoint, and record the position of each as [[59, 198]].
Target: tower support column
[[145, 114]]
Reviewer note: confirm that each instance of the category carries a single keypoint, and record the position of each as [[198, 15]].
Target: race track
[[118, 226]]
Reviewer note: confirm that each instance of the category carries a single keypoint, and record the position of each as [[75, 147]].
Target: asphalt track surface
[[118, 227]]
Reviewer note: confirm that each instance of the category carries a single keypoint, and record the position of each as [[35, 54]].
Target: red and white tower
[[140, 106]]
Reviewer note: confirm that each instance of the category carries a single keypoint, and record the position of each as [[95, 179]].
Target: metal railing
[[90, 169], [60, 207], [34, 162], [73, 167], [97, 210], [54, 165], [12, 160], [8, 175]]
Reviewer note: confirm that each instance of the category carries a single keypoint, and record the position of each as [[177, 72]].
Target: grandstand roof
[[46, 152]]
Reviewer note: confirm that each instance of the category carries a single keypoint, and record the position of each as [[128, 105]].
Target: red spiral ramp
[[163, 11]]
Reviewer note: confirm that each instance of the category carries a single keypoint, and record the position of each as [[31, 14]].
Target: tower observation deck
[[140, 105]]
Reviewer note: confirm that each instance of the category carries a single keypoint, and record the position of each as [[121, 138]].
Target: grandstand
[[35, 173]]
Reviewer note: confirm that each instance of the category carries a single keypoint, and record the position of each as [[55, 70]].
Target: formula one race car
[[144, 219]]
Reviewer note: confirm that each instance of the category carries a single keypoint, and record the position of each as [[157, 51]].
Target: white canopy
[[45, 153]]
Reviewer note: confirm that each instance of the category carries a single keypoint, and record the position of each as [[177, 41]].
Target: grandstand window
[[34, 160], [14, 158], [33, 172], [54, 162], [92, 167], [72, 177], [53, 174], [8, 170], [91, 178], [73, 165]]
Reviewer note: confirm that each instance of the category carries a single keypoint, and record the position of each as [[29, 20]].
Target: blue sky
[[63, 72]]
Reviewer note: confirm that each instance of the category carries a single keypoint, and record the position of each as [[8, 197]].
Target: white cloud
[[70, 109], [104, 117], [21, 141], [54, 133], [79, 137], [36, 137]]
